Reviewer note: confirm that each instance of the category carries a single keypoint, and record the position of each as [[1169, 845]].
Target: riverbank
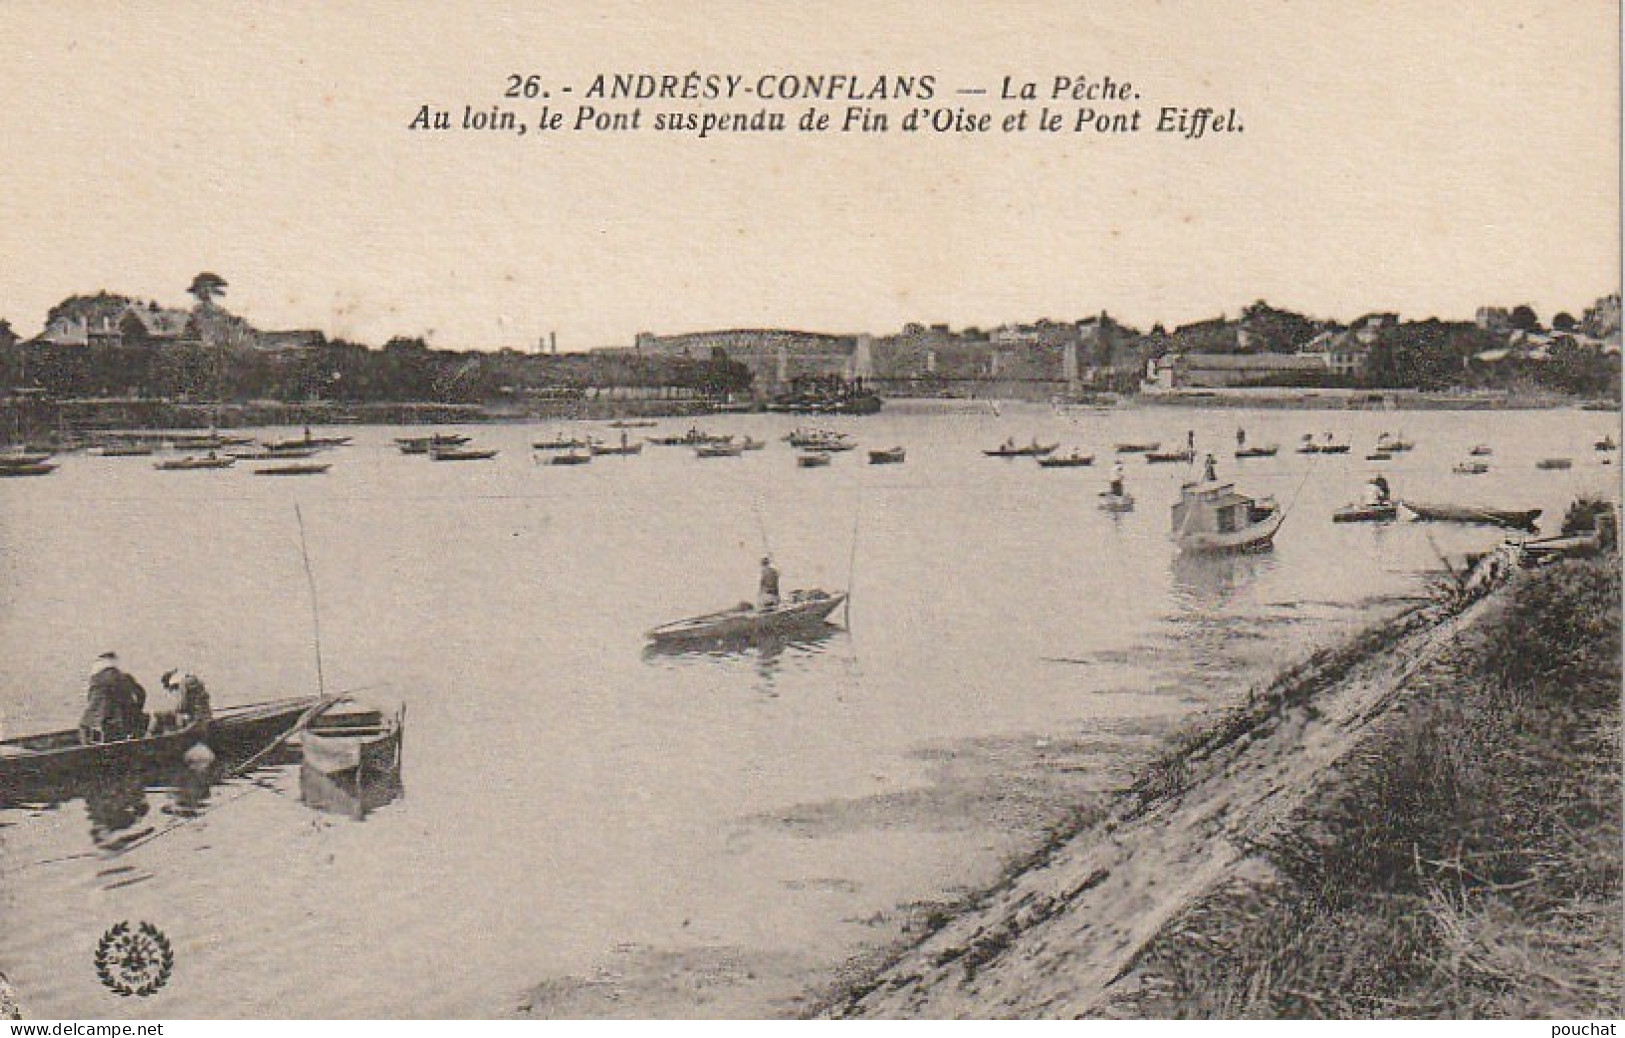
[[1424, 822]]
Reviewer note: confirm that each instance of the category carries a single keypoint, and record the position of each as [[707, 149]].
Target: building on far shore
[[1175, 371]]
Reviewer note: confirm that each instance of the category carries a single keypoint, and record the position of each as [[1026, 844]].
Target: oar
[[298, 726]]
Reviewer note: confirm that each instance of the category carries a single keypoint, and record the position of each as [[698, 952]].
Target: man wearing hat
[[114, 703]]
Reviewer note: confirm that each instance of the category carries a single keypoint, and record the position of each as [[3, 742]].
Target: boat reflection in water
[[1201, 583], [767, 650]]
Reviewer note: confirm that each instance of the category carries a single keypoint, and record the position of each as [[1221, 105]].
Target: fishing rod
[[315, 611], [852, 566]]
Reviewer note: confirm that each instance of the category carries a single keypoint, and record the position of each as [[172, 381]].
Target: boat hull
[[1366, 514], [1513, 519], [749, 624], [1259, 536]]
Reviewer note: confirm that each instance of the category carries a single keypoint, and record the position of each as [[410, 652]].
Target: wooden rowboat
[[1067, 461], [1517, 519], [1257, 452], [802, 610], [1031, 450], [56, 758], [460, 454], [351, 759], [296, 469], [890, 456], [193, 464], [1362, 513]]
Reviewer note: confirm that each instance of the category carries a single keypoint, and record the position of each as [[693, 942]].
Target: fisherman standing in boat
[[767, 591], [1376, 490], [1210, 472], [114, 706]]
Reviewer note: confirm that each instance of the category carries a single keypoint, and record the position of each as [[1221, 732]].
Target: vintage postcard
[[1010, 510]]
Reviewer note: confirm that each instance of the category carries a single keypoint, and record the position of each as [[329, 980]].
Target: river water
[[702, 833]]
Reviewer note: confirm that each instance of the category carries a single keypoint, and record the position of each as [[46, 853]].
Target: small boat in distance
[[1073, 459], [1394, 444], [562, 443], [1555, 463], [1367, 513], [1268, 451], [460, 454], [1138, 448], [296, 469], [1607, 444], [813, 459], [720, 450], [800, 611], [693, 438], [125, 450], [623, 451], [890, 456], [1184, 457], [1482, 450], [424, 444], [1008, 449], [571, 457], [1379, 456], [642, 423], [37, 468], [819, 440], [192, 463], [1470, 468]]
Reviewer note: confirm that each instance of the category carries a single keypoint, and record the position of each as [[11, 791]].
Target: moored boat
[[1470, 468], [1518, 519], [813, 459], [192, 463], [624, 450], [1071, 460], [424, 444], [1257, 452], [719, 450], [56, 757], [1167, 457], [460, 454], [572, 457], [1213, 518], [1482, 450], [1555, 463], [1367, 513], [1138, 448], [889, 456], [296, 469], [1008, 449], [351, 758], [799, 611], [37, 468]]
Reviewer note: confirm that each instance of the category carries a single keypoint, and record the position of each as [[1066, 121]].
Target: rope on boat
[[315, 612]]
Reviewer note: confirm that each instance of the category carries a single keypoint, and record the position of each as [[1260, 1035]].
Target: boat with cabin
[[1213, 518]]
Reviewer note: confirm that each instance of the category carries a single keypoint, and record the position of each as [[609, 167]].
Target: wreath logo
[[134, 961]]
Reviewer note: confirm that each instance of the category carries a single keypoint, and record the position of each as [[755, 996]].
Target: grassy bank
[[1466, 862], [1424, 821]]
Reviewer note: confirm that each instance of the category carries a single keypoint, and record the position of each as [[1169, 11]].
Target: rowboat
[[693, 438], [1555, 463], [1074, 460], [1110, 502], [719, 450], [424, 444], [1138, 448], [624, 450], [272, 455], [639, 424], [32, 761], [1517, 519], [1470, 468], [1394, 444], [812, 459], [307, 442], [1257, 452], [1212, 518], [570, 458], [802, 610], [127, 450], [351, 759], [38, 468], [1607, 444], [459, 454], [1309, 447], [192, 463], [1165, 457], [562, 443], [1031, 450], [1482, 450], [1379, 455], [890, 456], [819, 439], [20, 458], [1364, 513], [296, 469]]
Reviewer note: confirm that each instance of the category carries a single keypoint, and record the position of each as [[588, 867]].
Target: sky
[[1417, 157]]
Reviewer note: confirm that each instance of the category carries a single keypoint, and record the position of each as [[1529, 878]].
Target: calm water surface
[[570, 797]]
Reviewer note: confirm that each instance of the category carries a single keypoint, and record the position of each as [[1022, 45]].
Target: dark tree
[[206, 287], [1564, 322], [1524, 319]]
